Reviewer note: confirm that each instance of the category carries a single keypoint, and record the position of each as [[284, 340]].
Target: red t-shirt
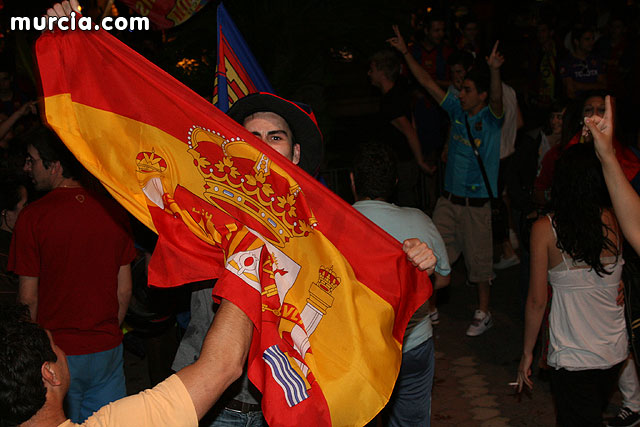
[[75, 243], [628, 161]]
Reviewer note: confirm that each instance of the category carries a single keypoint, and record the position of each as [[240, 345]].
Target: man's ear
[[56, 168], [484, 95], [49, 374], [295, 158]]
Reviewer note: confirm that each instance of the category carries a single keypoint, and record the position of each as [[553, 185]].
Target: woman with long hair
[[577, 248]]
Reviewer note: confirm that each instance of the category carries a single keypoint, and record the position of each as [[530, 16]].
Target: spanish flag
[[329, 293]]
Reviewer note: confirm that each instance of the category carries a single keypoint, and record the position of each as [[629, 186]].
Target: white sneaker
[[506, 262], [480, 323]]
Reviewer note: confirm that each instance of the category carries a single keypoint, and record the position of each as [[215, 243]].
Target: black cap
[[298, 116]]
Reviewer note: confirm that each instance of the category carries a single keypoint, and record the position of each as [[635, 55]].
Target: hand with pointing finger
[[398, 41], [495, 60], [602, 130]]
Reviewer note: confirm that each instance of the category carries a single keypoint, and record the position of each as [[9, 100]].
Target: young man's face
[[469, 97], [435, 32], [458, 74], [470, 31], [274, 130], [586, 42], [556, 121], [376, 76], [34, 167]]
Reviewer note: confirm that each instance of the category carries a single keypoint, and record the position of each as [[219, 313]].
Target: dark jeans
[[410, 403], [582, 396], [500, 223]]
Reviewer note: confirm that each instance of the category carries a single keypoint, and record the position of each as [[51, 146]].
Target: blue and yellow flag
[[237, 72]]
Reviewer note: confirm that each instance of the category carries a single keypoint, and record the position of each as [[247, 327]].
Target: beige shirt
[[167, 404]]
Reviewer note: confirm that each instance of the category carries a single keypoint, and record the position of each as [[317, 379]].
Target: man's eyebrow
[[277, 131]]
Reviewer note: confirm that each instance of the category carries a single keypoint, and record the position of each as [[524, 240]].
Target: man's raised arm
[[495, 61], [626, 202], [418, 72], [224, 352]]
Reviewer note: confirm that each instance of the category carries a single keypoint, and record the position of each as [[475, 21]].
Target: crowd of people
[[525, 174]]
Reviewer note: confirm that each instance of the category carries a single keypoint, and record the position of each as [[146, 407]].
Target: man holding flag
[[329, 318], [289, 128]]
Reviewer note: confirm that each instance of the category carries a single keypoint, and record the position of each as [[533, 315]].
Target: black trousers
[[582, 396]]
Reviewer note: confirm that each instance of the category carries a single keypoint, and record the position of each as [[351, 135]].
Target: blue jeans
[[410, 403], [96, 380], [230, 418]]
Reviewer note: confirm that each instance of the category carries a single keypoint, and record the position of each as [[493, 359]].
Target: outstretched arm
[[495, 61], [537, 298], [28, 294], [125, 286], [626, 202], [406, 128], [418, 72], [26, 108], [224, 352]]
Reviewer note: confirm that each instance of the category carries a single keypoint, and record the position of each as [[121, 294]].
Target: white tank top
[[586, 327]]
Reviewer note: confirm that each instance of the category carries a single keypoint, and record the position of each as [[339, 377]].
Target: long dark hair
[[578, 197]]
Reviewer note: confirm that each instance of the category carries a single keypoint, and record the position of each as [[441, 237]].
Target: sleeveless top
[[586, 327]]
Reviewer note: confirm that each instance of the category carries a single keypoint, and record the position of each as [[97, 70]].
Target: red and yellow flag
[[329, 293]]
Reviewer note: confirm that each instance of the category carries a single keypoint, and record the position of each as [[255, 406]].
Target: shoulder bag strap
[[474, 147]]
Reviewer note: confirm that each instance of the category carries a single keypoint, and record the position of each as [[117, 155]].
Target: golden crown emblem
[[244, 183], [320, 292], [150, 162], [327, 279]]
